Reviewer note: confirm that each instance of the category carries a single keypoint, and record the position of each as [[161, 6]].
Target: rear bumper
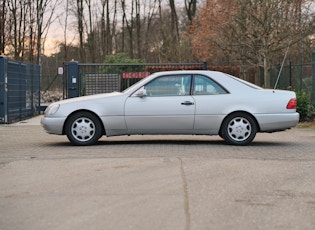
[[277, 122], [53, 125]]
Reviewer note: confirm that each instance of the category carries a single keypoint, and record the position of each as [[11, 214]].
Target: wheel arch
[[83, 110], [240, 111]]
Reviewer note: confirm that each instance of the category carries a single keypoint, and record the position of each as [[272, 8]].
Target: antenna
[[285, 56]]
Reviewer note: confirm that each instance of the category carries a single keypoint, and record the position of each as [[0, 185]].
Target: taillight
[[292, 104]]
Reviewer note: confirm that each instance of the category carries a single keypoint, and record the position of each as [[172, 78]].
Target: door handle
[[187, 103]]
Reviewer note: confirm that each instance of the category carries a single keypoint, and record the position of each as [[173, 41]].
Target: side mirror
[[142, 92]]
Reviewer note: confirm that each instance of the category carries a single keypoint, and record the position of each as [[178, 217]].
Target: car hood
[[100, 104], [89, 98]]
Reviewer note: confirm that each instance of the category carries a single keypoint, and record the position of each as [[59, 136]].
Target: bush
[[131, 65], [304, 106]]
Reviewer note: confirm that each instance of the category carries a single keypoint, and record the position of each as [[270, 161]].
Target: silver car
[[176, 102]]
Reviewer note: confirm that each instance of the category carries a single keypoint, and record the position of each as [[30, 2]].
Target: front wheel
[[83, 128], [239, 129]]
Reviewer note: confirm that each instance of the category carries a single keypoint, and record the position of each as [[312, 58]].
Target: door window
[[172, 85]]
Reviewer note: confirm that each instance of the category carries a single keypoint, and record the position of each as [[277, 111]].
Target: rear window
[[251, 85]]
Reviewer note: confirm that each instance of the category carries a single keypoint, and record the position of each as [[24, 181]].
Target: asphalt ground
[[156, 182]]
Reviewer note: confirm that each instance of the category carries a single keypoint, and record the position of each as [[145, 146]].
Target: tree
[[205, 30], [267, 28], [2, 25], [191, 9], [17, 17], [65, 26], [174, 21], [251, 32], [43, 26], [106, 31], [149, 23], [91, 43], [26, 26], [79, 14], [129, 25]]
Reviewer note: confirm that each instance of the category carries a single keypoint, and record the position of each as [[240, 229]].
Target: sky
[[55, 33]]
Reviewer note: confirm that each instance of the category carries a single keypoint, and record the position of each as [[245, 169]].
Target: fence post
[[73, 79], [3, 89], [204, 66], [313, 78]]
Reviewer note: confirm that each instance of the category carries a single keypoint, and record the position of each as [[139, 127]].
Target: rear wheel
[[83, 128], [239, 129]]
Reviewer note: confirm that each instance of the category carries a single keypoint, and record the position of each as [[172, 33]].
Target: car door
[[211, 100], [167, 107]]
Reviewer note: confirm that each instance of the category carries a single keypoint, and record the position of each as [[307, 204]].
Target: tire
[[239, 129], [83, 128]]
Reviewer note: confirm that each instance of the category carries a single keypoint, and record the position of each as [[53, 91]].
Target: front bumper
[[53, 125]]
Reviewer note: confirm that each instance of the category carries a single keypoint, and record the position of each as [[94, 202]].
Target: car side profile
[[176, 102]]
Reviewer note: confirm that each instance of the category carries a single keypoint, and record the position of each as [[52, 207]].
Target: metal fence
[[87, 79], [19, 90], [20, 82], [297, 77]]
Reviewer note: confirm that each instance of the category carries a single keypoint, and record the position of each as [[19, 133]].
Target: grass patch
[[310, 124]]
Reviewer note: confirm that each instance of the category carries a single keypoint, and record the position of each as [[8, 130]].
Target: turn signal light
[[292, 104]]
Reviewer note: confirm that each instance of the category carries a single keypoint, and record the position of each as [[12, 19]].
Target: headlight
[[53, 108]]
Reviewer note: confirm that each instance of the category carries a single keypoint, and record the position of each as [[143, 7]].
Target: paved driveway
[[156, 182]]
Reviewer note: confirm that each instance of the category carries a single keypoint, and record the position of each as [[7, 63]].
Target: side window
[[205, 86], [172, 85]]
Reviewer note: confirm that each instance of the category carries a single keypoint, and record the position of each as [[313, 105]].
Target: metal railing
[[88, 79], [19, 90], [93, 78], [296, 77]]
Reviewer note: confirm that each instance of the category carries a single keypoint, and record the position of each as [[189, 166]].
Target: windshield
[[134, 86]]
